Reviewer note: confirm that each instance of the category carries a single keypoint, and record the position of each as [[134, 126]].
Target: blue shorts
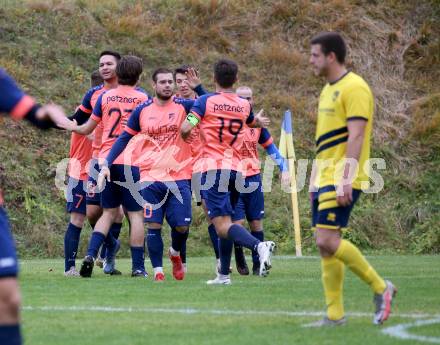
[[250, 204], [76, 196], [128, 196], [220, 192], [93, 197], [171, 200], [325, 214], [8, 254]]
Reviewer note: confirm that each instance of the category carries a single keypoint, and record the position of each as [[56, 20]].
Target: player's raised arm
[[190, 122], [85, 128], [195, 115], [21, 106]]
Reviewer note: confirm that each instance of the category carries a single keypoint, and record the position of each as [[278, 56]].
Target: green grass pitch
[[124, 310]]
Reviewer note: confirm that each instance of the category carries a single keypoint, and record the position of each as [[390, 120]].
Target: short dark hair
[[182, 69], [95, 78], [331, 42], [129, 69], [225, 72], [112, 53], [160, 70]]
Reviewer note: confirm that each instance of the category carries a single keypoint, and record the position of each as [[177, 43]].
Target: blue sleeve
[[251, 118], [199, 106], [80, 117], [273, 152], [86, 104], [31, 116], [119, 146], [265, 137], [200, 90], [10, 93], [97, 109]]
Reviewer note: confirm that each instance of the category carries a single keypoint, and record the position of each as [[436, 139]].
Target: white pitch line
[[401, 331], [192, 311]]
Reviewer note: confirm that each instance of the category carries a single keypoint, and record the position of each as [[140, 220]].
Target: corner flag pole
[[288, 151]]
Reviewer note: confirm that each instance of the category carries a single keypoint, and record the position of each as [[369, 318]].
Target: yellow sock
[[350, 255], [333, 281]]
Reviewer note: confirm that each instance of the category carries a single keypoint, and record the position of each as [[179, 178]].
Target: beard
[[163, 97], [322, 72]]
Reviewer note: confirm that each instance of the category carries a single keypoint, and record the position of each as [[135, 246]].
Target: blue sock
[[155, 247], [242, 237], [115, 230], [103, 251], [137, 258], [103, 248], [183, 253], [110, 241], [96, 241], [178, 239], [214, 239], [225, 248], [10, 335], [260, 236], [71, 242]]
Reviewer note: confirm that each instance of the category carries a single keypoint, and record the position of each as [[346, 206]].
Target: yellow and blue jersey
[[349, 98]]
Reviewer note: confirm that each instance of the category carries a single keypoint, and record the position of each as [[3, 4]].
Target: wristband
[[192, 119]]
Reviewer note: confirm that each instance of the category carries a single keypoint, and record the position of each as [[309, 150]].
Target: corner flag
[[287, 150]]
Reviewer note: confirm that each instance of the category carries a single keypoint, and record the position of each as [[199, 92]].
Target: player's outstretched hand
[[193, 79], [57, 115], [103, 176], [54, 113], [261, 120]]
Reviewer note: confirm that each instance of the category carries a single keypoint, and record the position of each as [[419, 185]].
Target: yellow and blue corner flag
[[287, 150]]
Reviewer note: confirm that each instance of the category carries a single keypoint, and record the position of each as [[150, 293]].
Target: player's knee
[[223, 229], [14, 304], [77, 219], [255, 225], [327, 243], [322, 242], [181, 229], [120, 216], [93, 213], [153, 226], [10, 301], [110, 213]]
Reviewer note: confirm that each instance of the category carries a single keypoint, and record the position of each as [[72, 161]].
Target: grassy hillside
[[51, 46]]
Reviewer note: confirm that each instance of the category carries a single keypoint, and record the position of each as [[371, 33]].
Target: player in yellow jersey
[[343, 134]]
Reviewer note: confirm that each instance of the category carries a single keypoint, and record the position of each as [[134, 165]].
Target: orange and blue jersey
[[113, 110], [12, 99], [80, 154], [82, 149], [87, 105], [164, 156], [250, 164], [198, 140], [222, 118]]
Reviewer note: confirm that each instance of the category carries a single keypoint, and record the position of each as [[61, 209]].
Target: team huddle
[[147, 157], [150, 157]]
